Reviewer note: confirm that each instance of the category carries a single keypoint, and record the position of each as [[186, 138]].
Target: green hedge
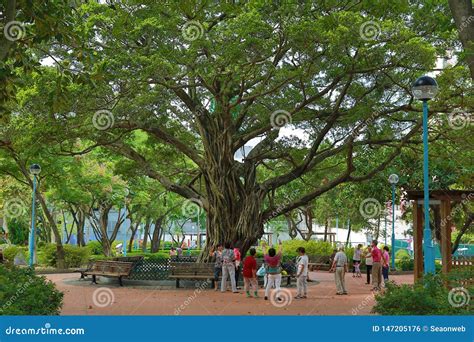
[[427, 297], [74, 256], [24, 293], [11, 251], [312, 247], [405, 264]]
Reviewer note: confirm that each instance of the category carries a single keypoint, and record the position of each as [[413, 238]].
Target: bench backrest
[[319, 259], [129, 258], [191, 268], [114, 267]]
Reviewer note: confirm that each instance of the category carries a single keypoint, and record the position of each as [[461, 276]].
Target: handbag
[[261, 271]]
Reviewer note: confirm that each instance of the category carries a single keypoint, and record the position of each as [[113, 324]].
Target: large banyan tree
[[178, 90]]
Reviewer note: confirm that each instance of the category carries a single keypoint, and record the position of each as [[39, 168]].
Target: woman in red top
[[237, 266], [250, 273]]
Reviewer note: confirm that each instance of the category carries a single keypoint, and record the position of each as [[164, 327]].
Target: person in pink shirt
[[385, 264], [376, 266], [238, 260]]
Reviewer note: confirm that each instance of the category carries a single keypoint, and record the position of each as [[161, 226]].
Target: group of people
[[377, 264], [228, 265], [227, 262]]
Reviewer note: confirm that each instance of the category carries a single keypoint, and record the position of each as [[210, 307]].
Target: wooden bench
[[202, 271], [319, 263], [191, 270], [113, 269], [133, 259]]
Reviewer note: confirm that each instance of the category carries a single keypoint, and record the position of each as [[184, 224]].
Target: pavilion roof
[[450, 195]]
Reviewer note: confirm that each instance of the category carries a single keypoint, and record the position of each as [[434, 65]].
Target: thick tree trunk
[[238, 223], [377, 229], [349, 228], [157, 234], [146, 231], [80, 219], [133, 231], [326, 225], [57, 235], [463, 13], [103, 223]]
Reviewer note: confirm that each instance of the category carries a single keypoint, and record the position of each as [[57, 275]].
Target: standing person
[[356, 259], [228, 268], [340, 266], [238, 259], [368, 263], [385, 264], [376, 266], [217, 256], [302, 274], [272, 259], [172, 252], [250, 273]]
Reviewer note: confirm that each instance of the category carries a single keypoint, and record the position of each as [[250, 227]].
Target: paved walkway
[[83, 298]]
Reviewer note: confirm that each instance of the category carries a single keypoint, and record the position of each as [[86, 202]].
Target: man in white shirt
[[340, 266], [302, 274]]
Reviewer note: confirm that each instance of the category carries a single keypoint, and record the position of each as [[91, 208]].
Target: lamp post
[[393, 180], [35, 170], [425, 88]]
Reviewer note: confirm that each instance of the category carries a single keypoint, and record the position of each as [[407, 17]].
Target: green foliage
[[24, 293], [74, 256], [95, 248], [18, 231], [157, 256], [405, 264], [11, 251], [312, 247], [427, 297], [402, 253]]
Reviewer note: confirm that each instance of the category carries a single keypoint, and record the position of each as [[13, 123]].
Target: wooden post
[[418, 239], [446, 222]]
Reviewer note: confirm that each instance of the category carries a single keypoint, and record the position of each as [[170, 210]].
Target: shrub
[[157, 256], [312, 247], [24, 293], [11, 251], [95, 248], [426, 297], [74, 256], [18, 231], [401, 253], [405, 264]]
